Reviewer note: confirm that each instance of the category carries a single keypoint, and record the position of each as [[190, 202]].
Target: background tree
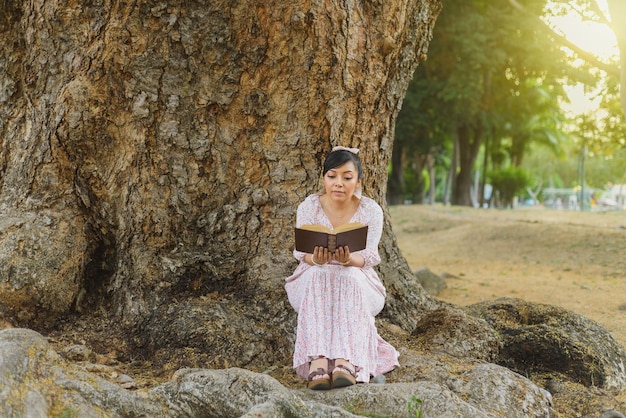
[[498, 98], [507, 184], [478, 68], [591, 10], [152, 155], [417, 143]]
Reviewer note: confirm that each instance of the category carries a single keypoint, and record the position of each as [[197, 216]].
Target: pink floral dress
[[336, 305]]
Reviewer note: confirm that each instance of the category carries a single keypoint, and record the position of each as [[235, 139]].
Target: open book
[[354, 235]]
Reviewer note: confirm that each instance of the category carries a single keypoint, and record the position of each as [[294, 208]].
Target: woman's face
[[341, 182]]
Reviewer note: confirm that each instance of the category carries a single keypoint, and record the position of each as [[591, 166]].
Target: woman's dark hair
[[340, 157]]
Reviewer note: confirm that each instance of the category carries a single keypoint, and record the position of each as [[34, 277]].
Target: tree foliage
[[508, 183], [492, 86]]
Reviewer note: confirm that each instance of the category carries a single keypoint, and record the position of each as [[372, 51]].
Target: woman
[[337, 295]]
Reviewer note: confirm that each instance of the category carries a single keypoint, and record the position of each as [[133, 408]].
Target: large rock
[[38, 382], [452, 331], [491, 389], [431, 282], [234, 393], [538, 338]]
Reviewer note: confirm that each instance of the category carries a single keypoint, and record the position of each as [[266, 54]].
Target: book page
[[315, 227], [348, 227]]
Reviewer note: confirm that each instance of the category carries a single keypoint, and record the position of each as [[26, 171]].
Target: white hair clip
[[340, 148]]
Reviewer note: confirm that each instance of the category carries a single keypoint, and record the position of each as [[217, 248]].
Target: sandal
[[322, 383], [343, 376]]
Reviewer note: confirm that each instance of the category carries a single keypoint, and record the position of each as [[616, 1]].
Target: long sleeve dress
[[336, 305]]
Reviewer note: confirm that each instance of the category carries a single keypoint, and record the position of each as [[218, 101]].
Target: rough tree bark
[[152, 155]]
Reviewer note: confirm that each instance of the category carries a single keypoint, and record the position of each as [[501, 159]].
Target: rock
[[78, 352], [124, 378], [392, 400], [380, 379], [432, 283], [612, 414], [553, 385], [236, 392], [452, 331], [126, 381], [496, 391], [540, 338], [622, 307], [483, 386], [39, 382]]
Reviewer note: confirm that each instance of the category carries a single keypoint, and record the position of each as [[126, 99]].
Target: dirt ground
[[576, 260]]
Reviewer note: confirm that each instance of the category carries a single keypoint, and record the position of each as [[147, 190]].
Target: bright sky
[[590, 36]]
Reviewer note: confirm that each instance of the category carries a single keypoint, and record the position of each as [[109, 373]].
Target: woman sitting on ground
[[338, 294]]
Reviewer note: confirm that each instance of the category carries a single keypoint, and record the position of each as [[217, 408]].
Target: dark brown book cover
[[354, 235]]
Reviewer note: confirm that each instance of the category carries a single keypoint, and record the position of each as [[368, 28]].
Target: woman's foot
[[343, 374], [318, 378]]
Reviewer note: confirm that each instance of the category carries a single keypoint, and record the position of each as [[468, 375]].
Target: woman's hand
[[321, 256], [342, 256]]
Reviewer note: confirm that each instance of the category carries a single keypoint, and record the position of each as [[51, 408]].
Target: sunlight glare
[[581, 101], [593, 37]]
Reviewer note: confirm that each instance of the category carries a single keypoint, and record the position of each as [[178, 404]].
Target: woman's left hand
[[342, 255]]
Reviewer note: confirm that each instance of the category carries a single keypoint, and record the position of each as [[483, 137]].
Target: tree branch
[[587, 56]]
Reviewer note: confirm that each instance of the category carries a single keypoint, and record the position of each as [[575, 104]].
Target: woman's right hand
[[321, 255]]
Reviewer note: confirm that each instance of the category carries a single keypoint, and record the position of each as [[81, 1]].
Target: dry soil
[[576, 260]]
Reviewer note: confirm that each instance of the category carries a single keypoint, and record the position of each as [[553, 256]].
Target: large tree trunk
[[152, 155]]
